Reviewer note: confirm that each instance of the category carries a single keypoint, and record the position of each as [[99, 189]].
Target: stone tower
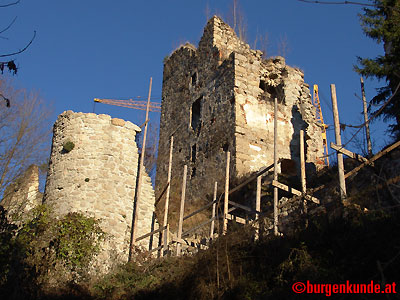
[[98, 177], [220, 96]]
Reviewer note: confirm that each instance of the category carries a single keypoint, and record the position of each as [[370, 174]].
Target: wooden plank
[[303, 173], [338, 139], [176, 240], [180, 225], [166, 206], [369, 145], [162, 194], [258, 206], [350, 154], [156, 249], [226, 198], [286, 188], [199, 210], [375, 157], [275, 166], [186, 233], [165, 240], [150, 233], [231, 209], [182, 241], [250, 179], [139, 180], [236, 219], [302, 163], [206, 222], [213, 210], [244, 207], [258, 196]]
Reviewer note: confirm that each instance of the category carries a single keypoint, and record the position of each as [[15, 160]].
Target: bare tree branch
[[22, 50], [337, 2], [8, 27], [24, 131], [6, 99], [10, 4]]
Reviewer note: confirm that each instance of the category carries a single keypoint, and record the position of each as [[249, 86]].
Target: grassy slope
[[360, 248]]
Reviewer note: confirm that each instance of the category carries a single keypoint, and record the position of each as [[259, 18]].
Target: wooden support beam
[[372, 159], [258, 207], [303, 174], [187, 232], [293, 191], [275, 166], [165, 240], [247, 181], [213, 210], [180, 225], [369, 145], [162, 194], [166, 206], [226, 199], [149, 234], [302, 163], [199, 210], [231, 209], [235, 218], [182, 241], [156, 249], [244, 207], [342, 181], [350, 154], [139, 180]]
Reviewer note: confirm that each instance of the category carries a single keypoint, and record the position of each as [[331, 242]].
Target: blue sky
[[110, 49]]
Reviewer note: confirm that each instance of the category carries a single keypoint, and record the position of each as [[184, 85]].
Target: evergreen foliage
[[382, 24], [44, 249]]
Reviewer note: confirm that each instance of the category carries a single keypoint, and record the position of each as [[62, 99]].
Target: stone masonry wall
[[23, 194], [257, 83], [98, 177], [219, 97], [195, 82]]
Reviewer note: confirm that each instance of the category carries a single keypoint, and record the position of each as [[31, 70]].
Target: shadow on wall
[[299, 124]]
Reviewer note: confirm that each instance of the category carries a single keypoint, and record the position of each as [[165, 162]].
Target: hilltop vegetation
[[344, 242]]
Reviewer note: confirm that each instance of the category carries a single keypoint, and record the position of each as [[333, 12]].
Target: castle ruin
[[216, 98], [219, 97], [98, 177]]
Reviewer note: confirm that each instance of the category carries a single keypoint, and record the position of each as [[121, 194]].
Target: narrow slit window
[[196, 114], [193, 154], [263, 85], [193, 80]]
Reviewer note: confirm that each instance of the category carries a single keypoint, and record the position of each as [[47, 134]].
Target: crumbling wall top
[[100, 119]]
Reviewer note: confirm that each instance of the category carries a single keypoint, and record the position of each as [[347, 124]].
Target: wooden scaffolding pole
[[369, 145], [338, 139], [275, 166], [214, 206], [139, 179], [258, 207], [303, 173], [166, 206], [181, 212], [302, 163], [226, 198]]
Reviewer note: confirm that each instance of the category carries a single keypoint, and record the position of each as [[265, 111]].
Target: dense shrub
[[44, 251]]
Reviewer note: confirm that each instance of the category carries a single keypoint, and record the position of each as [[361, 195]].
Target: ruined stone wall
[[257, 83], [23, 194], [198, 109], [98, 177], [219, 97]]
